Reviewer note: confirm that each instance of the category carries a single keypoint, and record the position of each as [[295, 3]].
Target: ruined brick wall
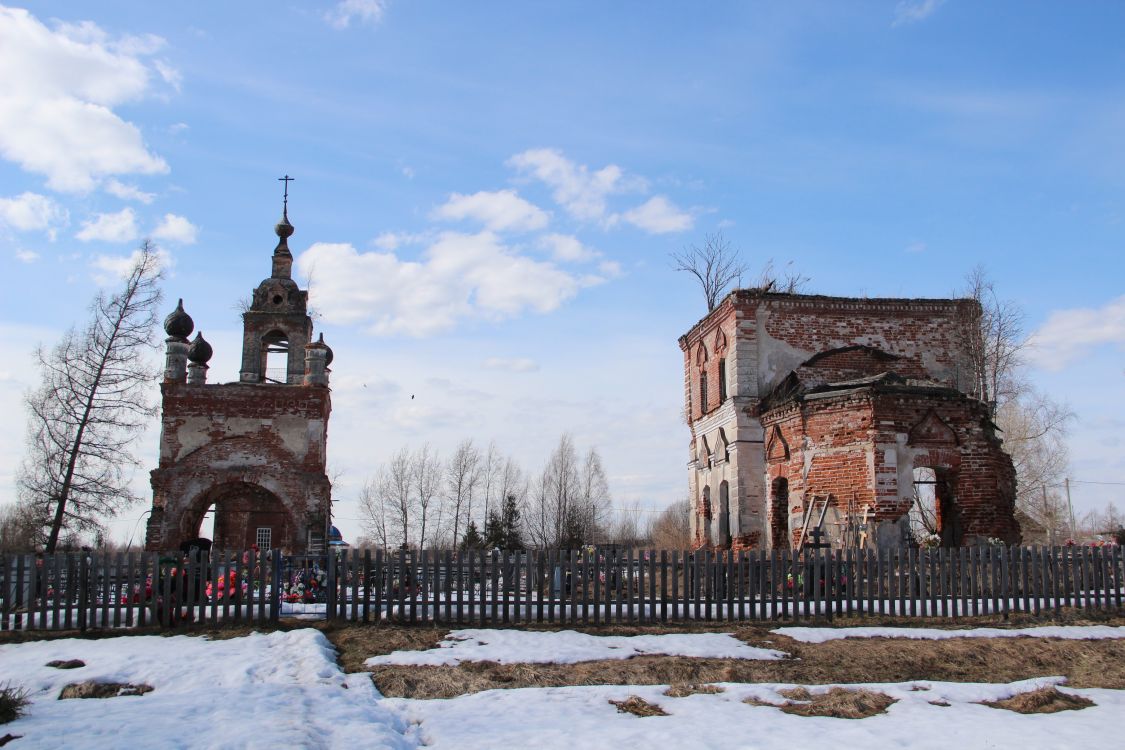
[[258, 451], [754, 341], [861, 449]]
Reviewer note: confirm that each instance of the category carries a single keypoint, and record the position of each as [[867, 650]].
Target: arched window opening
[[724, 515], [722, 381], [705, 504], [934, 517], [779, 514], [275, 358], [703, 392]]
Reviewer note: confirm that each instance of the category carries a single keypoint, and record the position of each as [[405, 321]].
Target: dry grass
[[102, 690], [1045, 700], [796, 694], [683, 690], [66, 663], [13, 701], [638, 706], [1099, 664], [841, 703], [836, 703]]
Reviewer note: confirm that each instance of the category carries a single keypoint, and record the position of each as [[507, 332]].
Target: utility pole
[[1048, 514], [1070, 509]]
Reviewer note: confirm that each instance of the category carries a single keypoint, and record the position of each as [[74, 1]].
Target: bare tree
[[92, 402], [489, 470], [671, 529], [994, 342], [375, 517], [21, 528], [390, 511], [462, 478], [715, 265], [425, 474], [1033, 426]]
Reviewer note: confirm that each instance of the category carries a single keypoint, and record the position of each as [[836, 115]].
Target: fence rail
[[91, 591]]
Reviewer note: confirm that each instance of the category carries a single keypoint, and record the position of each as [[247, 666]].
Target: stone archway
[[245, 514]]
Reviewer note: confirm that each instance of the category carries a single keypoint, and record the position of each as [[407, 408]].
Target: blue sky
[[486, 194]]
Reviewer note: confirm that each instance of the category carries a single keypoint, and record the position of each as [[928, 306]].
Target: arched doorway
[[779, 514], [935, 509], [244, 515]]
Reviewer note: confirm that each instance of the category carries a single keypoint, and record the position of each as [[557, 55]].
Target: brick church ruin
[[841, 420], [253, 452]]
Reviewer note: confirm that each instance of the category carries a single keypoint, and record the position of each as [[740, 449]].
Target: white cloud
[[29, 212], [460, 276], [368, 12], [658, 215], [913, 11], [1069, 334], [395, 240], [171, 76], [116, 227], [173, 228], [517, 364], [27, 256], [568, 249], [59, 90], [609, 268], [497, 211], [109, 269], [578, 190], [128, 192]]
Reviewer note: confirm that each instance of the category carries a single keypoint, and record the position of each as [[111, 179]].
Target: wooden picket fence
[[565, 587]]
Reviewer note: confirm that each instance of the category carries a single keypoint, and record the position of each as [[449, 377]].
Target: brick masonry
[[254, 450], [784, 429]]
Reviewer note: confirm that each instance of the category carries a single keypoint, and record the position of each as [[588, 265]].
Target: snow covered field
[[284, 690], [570, 647]]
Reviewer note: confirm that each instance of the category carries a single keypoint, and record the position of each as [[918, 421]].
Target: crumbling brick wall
[[759, 343], [237, 442]]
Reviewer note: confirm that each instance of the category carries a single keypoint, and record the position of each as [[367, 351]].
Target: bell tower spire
[[282, 258]]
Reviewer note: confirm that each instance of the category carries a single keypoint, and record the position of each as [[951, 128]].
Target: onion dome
[[284, 231], [328, 354], [200, 351], [179, 324]]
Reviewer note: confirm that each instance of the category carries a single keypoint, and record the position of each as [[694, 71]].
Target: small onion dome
[[319, 344], [284, 229], [334, 535], [179, 324], [200, 351]]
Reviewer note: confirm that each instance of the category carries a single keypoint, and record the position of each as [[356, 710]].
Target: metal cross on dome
[[286, 179]]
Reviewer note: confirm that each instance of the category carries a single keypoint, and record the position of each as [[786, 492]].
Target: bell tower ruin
[[251, 452]]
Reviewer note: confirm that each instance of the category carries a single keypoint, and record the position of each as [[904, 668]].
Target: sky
[[486, 196]]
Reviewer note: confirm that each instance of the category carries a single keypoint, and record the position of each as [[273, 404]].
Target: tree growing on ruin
[[92, 402], [714, 264]]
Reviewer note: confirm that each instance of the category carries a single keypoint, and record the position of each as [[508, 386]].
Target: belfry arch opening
[[275, 357]]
